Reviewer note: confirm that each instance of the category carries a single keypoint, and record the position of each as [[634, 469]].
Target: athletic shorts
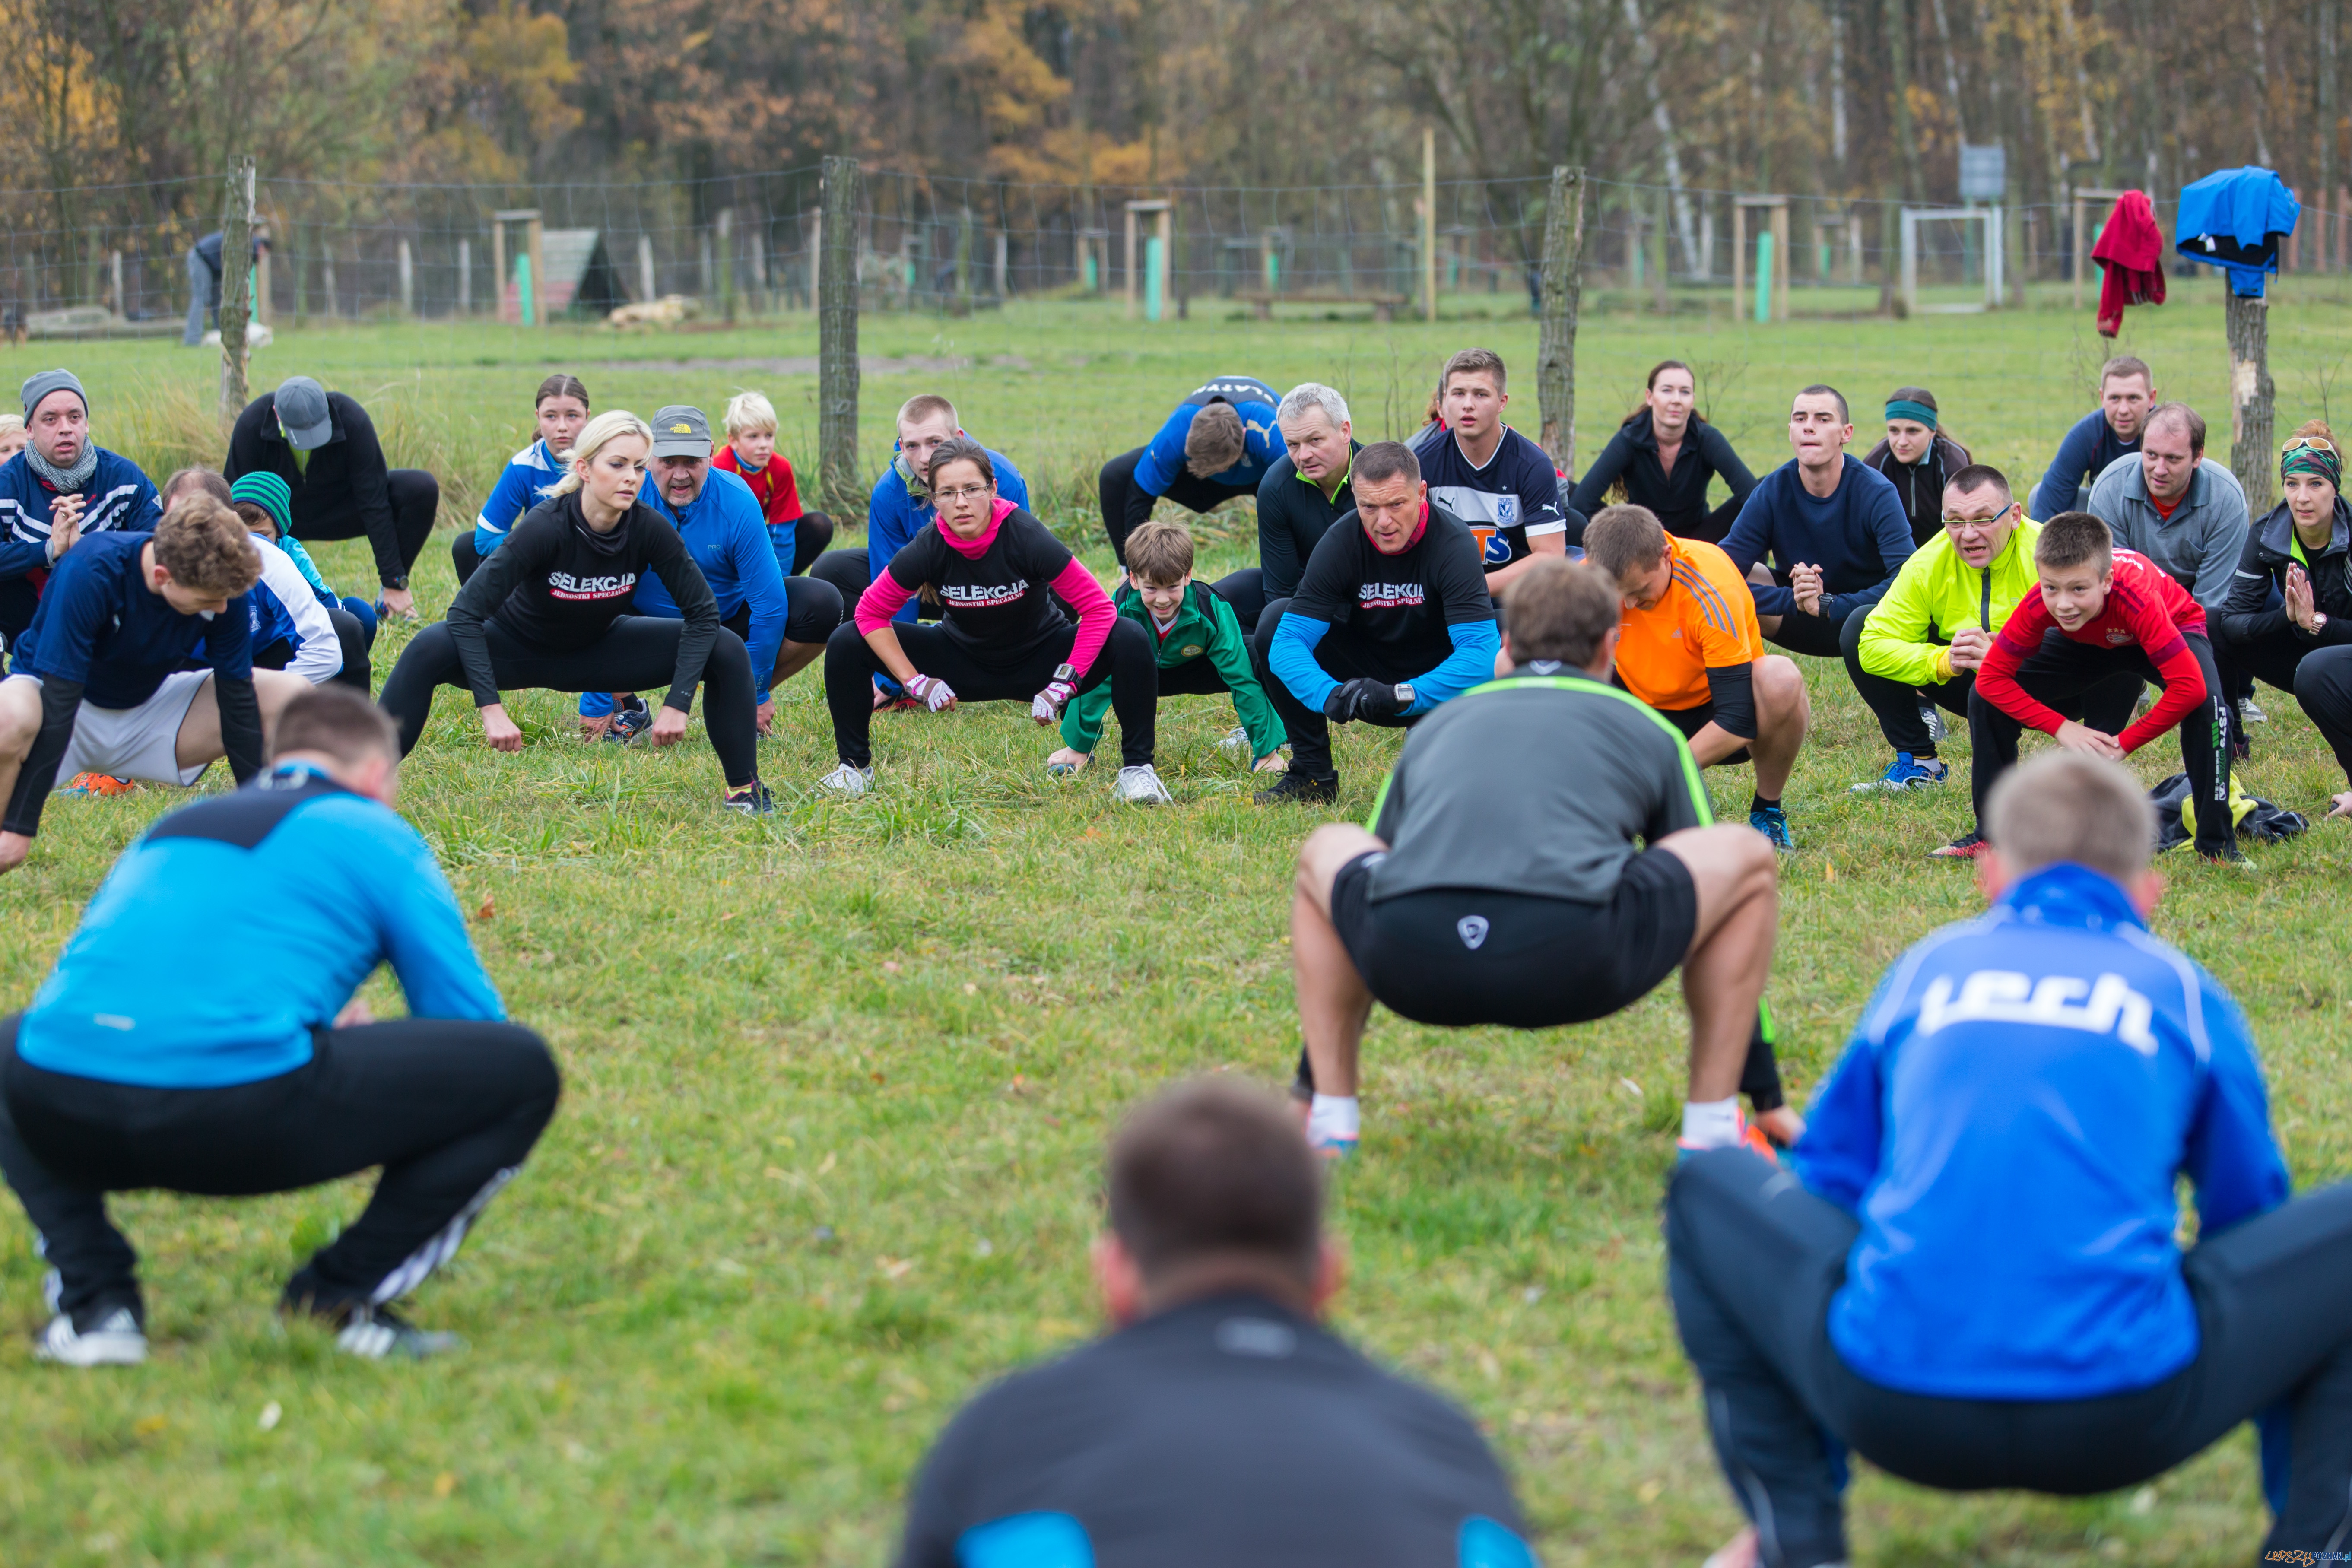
[[1691, 721], [141, 743], [1458, 956]]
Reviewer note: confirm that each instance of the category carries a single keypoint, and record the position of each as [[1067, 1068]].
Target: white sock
[[1331, 1116], [1711, 1123]]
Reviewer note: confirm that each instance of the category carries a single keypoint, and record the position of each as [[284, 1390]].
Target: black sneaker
[[751, 800], [631, 718], [1297, 786]]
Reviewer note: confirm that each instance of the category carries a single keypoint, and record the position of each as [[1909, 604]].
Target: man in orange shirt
[[1689, 647]]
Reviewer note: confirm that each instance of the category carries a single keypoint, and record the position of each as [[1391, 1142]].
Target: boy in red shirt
[[751, 455], [2119, 619]]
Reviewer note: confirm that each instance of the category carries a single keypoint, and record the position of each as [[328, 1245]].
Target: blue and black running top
[[1253, 399], [1227, 1431]]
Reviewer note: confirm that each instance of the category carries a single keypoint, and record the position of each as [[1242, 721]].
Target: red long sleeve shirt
[[2146, 610], [780, 498]]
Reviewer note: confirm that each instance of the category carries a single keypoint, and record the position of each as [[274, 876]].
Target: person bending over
[[266, 507], [1002, 637], [551, 610], [1198, 643], [290, 629], [1219, 1420], [1833, 528], [1499, 483], [1662, 457], [799, 537], [1220, 443], [2288, 616], [1392, 619], [2101, 613], [1303, 494], [2112, 430], [561, 409], [60, 486], [1972, 1278], [1918, 458], [1567, 901], [1688, 646], [324, 446], [199, 1035], [100, 681]]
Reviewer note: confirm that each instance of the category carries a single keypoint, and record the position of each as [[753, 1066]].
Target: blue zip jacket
[[1859, 537], [893, 517], [2007, 1123], [2235, 219], [1254, 400], [522, 484], [119, 497], [2087, 449], [727, 534], [236, 926]]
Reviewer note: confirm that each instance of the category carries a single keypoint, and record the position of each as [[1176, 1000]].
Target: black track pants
[[848, 571], [1127, 506], [448, 1108], [1127, 661], [415, 499], [812, 532], [1753, 1261], [639, 654], [1895, 703], [1245, 591], [2320, 678], [813, 608]]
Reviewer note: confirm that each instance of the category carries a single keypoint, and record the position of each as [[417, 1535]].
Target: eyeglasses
[[2311, 443], [1951, 521], [963, 492]]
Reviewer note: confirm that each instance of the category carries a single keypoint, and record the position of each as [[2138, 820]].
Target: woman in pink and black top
[[1001, 638]]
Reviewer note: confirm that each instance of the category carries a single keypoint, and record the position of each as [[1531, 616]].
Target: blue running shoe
[[1906, 772], [631, 718], [1773, 824], [1335, 1148]]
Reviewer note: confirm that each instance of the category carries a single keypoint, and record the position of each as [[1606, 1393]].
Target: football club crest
[[1472, 929]]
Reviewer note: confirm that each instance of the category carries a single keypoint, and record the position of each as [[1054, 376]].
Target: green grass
[[838, 1083]]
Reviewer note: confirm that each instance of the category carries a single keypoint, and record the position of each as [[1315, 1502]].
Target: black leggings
[[1127, 506], [349, 633], [813, 608], [464, 556], [1753, 1261], [415, 499], [1896, 704], [1127, 661], [812, 532], [638, 654], [2320, 678], [849, 572], [449, 1108]]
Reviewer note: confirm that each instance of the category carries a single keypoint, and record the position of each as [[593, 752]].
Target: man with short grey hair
[[1304, 492], [2175, 505]]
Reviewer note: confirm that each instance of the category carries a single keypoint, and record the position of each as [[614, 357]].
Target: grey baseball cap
[[681, 431], [302, 404]]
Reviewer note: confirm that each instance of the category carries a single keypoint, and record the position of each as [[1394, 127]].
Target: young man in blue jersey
[[199, 1035], [1219, 444], [61, 487], [1499, 483], [2112, 430], [100, 681], [1972, 1278]]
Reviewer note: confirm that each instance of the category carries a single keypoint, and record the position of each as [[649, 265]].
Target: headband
[[2328, 465], [1904, 408]]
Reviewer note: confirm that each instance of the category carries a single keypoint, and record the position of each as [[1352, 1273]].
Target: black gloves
[[1375, 701]]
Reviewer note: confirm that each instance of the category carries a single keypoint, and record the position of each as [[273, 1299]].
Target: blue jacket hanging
[[2235, 219]]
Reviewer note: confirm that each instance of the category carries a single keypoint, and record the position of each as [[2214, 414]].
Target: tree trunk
[[838, 476], [1563, 291], [2251, 394], [236, 243]]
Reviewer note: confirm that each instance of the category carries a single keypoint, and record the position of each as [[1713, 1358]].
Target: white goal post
[[1991, 217]]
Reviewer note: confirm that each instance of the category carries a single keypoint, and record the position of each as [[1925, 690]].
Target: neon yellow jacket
[[1908, 635]]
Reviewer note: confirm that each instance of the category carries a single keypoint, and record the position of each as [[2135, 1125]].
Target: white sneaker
[[1236, 743], [1141, 787], [379, 1335], [2251, 713], [1934, 718], [846, 780], [116, 1341]]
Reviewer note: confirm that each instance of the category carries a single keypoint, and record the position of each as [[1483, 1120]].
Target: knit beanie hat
[[271, 494], [42, 383]]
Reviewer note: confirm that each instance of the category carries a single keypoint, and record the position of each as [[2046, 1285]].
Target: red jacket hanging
[[2131, 249]]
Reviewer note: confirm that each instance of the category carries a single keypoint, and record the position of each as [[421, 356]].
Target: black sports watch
[[1066, 673], [398, 584]]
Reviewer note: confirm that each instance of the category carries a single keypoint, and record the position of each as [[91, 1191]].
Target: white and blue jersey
[[1511, 500], [2006, 1124], [284, 607], [1262, 444], [236, 926], [893, 517], [528, 475], [119, 497]]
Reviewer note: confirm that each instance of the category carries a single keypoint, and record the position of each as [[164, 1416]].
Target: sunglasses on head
[[2311, 443]]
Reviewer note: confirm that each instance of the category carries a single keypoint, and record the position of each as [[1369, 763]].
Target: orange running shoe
[[98, 783]]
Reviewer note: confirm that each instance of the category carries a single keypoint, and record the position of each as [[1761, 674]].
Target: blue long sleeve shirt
[[1292, 660], [2089, 447], [1262, 443], [1858, 535], [119, 497], [893, 517], [727, 534], [236, 926], [2007, 1123], [522, 484]]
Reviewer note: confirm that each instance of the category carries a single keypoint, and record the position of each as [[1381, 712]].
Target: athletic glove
[[1047, 706], [1369, 699], [932, 692]]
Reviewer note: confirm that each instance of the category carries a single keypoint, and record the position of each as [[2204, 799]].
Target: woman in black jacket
[[1919, 460], [2288, 618], [1665, 454]]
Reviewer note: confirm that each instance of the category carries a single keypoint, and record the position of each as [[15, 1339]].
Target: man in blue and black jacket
[[1971, 1278], [1218, 443], [61, 487]]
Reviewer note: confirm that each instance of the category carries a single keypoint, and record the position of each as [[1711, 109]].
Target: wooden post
[[726, 248], [1781, 261], [114, 266], [1658, 254], [1738, 256], [1165, 225], [644, 267], [535, 235], [837, 477], [1561, 293], [2075, 260], [1429, 222], [1004, 283], [2252, 396], [1130, 269], [407, 279], [236, 229], [498, 269], [465, 276]]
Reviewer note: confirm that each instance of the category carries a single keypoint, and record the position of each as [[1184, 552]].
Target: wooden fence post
[[838, 476], [2251, 394], [237, 230], [1562, 292]]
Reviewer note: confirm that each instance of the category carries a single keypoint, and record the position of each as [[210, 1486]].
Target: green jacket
[[1206, 627], [1935, 594]]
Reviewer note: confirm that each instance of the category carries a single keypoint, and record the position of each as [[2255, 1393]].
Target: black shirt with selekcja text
[[557, 585], [1400, 604], [1000, 607]]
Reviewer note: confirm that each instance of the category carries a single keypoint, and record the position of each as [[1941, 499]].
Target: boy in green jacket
[[1200, 646]]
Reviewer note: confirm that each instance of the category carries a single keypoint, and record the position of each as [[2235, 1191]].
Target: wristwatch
[[1067, 674], [399, 584]]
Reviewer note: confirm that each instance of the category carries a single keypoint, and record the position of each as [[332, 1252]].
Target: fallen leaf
[[889, 967], [1829, 870], [445, 1483], [148, 1426], [490, 907], [895, 1267], [1630, 1087], [1650, 1491], [969, 989], [827, 1165], [271, 1414]]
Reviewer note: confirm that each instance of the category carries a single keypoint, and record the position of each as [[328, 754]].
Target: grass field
[[837, 1083]]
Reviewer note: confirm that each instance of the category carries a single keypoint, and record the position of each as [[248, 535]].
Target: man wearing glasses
[[1919, 646]]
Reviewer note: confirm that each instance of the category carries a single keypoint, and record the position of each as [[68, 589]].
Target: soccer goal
[[1990, 218]]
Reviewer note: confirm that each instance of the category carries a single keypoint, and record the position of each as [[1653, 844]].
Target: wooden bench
[[1384, 306]]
